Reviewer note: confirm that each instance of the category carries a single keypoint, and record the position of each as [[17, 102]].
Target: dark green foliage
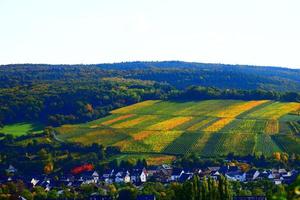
[[72, 101], [202, 93]]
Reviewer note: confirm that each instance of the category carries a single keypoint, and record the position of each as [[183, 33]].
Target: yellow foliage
[[133, 122], [218, 125], [170, 123], [134, 107], [275, 110], [277, 156], [236, 109]]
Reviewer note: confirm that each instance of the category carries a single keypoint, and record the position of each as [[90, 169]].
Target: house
[[89, 177], [11, 170], [226, 169], [107, 176], [176, 173], [215, 175], [34, 182], [213, 169], [265, 175], [143, 176], [127, 177], [152, 170], [236, 176], [65, 181], [252, 174], [119, 177], [166, 167], [282, 171], [135, 175], [185, 177], [95, 176], [278, 181]]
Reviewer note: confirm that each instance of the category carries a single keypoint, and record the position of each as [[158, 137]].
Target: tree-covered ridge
[[73, 101], [178, 74]]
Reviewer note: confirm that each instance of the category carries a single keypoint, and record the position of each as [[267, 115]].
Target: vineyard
[[211, 127]]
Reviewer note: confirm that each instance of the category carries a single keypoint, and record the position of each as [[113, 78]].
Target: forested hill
[[176, 73], [59, 94]]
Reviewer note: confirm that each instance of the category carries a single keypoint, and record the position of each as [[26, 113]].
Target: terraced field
[[211, 127]]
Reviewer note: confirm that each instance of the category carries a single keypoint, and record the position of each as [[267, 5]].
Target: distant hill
[[183, 74], [211, 128], [178, 74]]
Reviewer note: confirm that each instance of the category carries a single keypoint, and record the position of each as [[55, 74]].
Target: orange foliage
[[158, 160], [276, 156], [48, 168], [142, 135], [117, 119]]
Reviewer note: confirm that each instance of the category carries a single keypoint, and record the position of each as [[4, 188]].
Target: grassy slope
[[212, 127], [19, 129]]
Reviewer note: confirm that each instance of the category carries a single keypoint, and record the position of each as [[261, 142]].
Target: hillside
[[211, 127], [68, 94], [176, 73]]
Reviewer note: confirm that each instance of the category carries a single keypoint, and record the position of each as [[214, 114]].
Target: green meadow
[[23, 128]]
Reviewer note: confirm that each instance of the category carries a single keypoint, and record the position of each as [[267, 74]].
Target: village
[[165, 174]]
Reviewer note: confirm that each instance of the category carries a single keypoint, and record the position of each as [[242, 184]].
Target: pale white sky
[[260, 32]]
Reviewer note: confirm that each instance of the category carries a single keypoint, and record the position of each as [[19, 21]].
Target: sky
[[255, 32]]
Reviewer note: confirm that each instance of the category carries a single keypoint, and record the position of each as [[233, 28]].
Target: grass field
[[24, 128], [211, 127]]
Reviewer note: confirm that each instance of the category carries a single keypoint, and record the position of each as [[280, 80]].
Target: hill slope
[[211, 127], [178, 74]]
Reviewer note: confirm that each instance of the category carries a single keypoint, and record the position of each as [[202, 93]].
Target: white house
[[143, 176], [127, 177], [34, 182], [236, 176], [176, 173]]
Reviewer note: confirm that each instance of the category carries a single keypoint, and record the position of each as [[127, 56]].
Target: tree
[[224, 188], [276, 156], [293, 191], [39, 193], [52, 195], [27, 194], [258, 192], [43, 154], [48, 168], [128, 193], [204, 192]]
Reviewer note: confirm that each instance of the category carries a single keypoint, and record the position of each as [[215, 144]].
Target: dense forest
[[58, 94]]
